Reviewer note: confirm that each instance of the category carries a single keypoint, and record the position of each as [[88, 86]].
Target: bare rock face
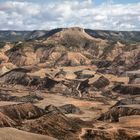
[[127, 89], [52, 108], [124, 107], [19, 76], [32, 98], [54, 123], [111, 134], [15, 76], [5, 121], [123, 110], [129, 101], [28, 98], [70, 109], [72, 59], [101, 82], [103, 63], [22, 111]]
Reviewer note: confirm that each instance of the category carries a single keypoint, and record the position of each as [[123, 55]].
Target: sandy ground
[[15, 134], [85, 106]]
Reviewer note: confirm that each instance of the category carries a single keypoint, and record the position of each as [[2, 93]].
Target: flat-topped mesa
[[73, 29], [73, 36]]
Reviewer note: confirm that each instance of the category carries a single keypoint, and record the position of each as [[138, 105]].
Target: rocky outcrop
[[101, 83], [22, 111], [103, 63], [5, 121], [70, 109], [111, 134], [19, 76], [15, 76], [129, 101], [54, 123], [127, 89], [28, 98], [118, 111]]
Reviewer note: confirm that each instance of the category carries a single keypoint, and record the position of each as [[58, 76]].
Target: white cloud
[[24, 15]]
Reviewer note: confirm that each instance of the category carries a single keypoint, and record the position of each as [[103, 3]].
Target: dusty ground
[[15, 134], [91, 109]]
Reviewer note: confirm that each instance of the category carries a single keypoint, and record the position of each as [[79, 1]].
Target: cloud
[[25, 15]]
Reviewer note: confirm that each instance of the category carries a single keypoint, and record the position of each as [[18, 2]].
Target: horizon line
[[135, 30]]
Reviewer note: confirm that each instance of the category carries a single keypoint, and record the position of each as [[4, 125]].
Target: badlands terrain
[[69, 84]]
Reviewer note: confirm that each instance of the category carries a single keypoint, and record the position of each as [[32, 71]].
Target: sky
[[50, 14]]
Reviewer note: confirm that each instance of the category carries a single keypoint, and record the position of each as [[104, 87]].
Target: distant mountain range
[[14, 36]]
